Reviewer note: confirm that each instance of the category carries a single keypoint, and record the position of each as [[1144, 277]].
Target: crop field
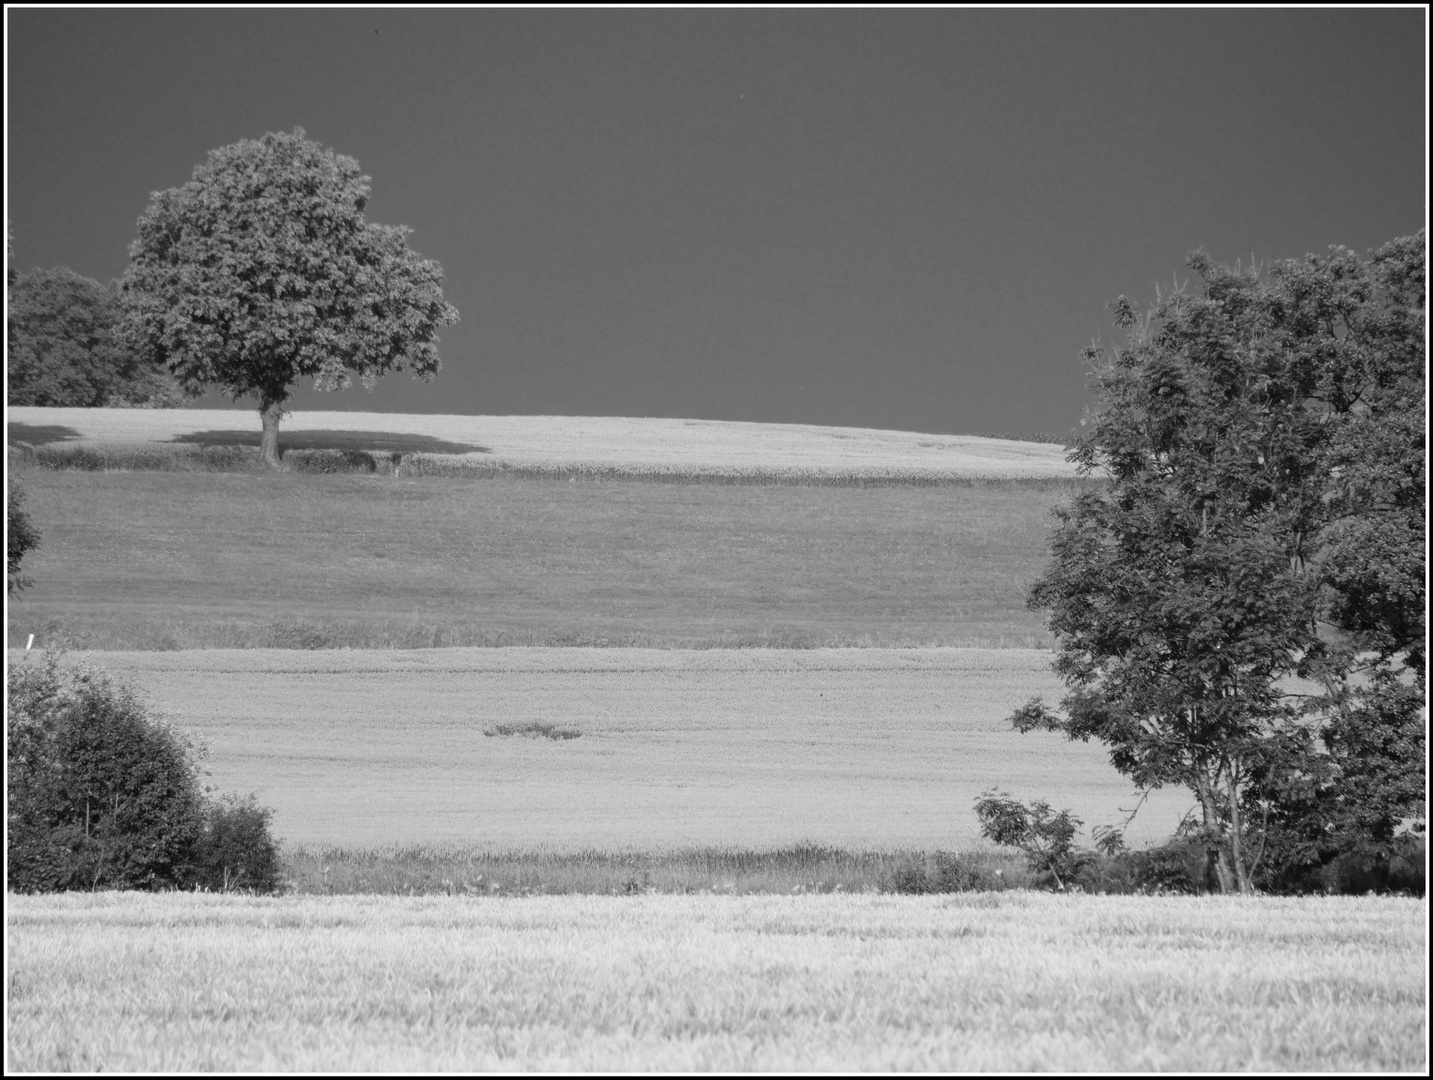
[[1000, 982], [552, 444], [860, 748], [164, 560], [512, 654]]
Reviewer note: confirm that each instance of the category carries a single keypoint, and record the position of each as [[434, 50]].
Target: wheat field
[[858, 748], [620, 445], [973, 982]]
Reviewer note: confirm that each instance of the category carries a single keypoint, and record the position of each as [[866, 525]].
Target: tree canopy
[[1240, 610], [262, 270], [63, 351]]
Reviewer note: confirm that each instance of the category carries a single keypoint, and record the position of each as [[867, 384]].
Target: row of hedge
[[1174, 868]]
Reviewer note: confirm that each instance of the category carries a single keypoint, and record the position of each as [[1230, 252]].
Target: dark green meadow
[[166, 560]]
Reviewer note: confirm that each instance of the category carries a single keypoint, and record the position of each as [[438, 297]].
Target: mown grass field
[[998, 982], [164, 560], [860, 748]]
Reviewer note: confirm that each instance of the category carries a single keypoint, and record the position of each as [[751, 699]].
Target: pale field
[[995, 982], [626, 444], [869, 749]]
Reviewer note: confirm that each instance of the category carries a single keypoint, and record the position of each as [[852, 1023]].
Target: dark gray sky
[[904, 219]]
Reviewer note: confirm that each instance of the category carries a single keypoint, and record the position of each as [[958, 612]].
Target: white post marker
[[30, 642]]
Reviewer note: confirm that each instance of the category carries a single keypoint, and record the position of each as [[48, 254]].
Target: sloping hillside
[[613, 444]]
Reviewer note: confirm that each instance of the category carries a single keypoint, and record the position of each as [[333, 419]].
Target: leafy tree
[[20, 537], [62, 349], [1047, 838], [1251, 533], [262, 270], [1363, 330]]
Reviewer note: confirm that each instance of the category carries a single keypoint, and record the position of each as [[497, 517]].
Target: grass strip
[[425, 870]]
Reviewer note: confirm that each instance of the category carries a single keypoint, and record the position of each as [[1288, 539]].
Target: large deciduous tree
[[262, 270], [1240, 609], [62, 349]]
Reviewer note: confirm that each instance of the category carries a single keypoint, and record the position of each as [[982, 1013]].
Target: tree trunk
[[1218, 877], [1236, 840], [270, 411]]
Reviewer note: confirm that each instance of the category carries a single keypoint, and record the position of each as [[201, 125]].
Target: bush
[[1397, 866], [331, 461], [948, 872], [20, 537], [1047, 838], [1175, 867], [99, 794], [102, 795], [234, 849]]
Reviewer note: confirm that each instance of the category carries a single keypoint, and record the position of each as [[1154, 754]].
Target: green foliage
[[950, 872], [1264, 521], [234, 849], [1175, 867], [262, 270], [480, 870], [20, 537], [331, 461], [1046, 837], [62, 350], [101, 795], [154, 457]]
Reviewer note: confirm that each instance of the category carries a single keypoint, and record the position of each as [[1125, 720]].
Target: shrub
[[1047, 838], [99, 794], [330, 461], [1408, 865], [102, 795], [20, 537], [234, 849], [949, 872], [1175, 867]]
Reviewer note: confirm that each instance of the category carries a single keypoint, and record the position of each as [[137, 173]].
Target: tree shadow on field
[[36, 434], [380, 441]]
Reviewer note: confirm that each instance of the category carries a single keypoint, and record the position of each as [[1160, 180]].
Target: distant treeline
[[62, 349]]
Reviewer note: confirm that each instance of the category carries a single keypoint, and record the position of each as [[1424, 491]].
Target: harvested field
[[1014, 981], [858, 748], [612, 446]]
